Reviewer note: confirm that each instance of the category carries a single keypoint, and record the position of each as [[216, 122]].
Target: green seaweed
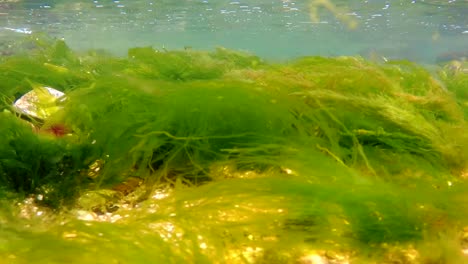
[[235, 159], [31, 163]]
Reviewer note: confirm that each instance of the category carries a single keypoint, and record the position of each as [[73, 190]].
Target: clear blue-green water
[[415, 30]]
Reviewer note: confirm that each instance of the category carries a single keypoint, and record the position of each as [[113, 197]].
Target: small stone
[[39, 103]]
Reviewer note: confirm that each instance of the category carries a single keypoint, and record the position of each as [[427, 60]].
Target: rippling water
[[416, 30]]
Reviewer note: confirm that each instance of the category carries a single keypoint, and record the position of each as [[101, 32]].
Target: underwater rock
[[456, 67], [39, 103], [451, 56], [103, 201]]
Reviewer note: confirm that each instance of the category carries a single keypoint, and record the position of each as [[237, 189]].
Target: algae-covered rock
[[39, 103], [218, 156]]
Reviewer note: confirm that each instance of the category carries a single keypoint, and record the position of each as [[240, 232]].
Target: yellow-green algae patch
[[222, 157]]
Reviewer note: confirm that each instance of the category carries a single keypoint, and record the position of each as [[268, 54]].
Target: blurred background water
[[423, 31]]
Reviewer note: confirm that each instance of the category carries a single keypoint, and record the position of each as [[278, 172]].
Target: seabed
[[220, 156]]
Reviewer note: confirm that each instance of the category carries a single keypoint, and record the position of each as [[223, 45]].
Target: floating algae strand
[[340, 14], [221, 157]]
